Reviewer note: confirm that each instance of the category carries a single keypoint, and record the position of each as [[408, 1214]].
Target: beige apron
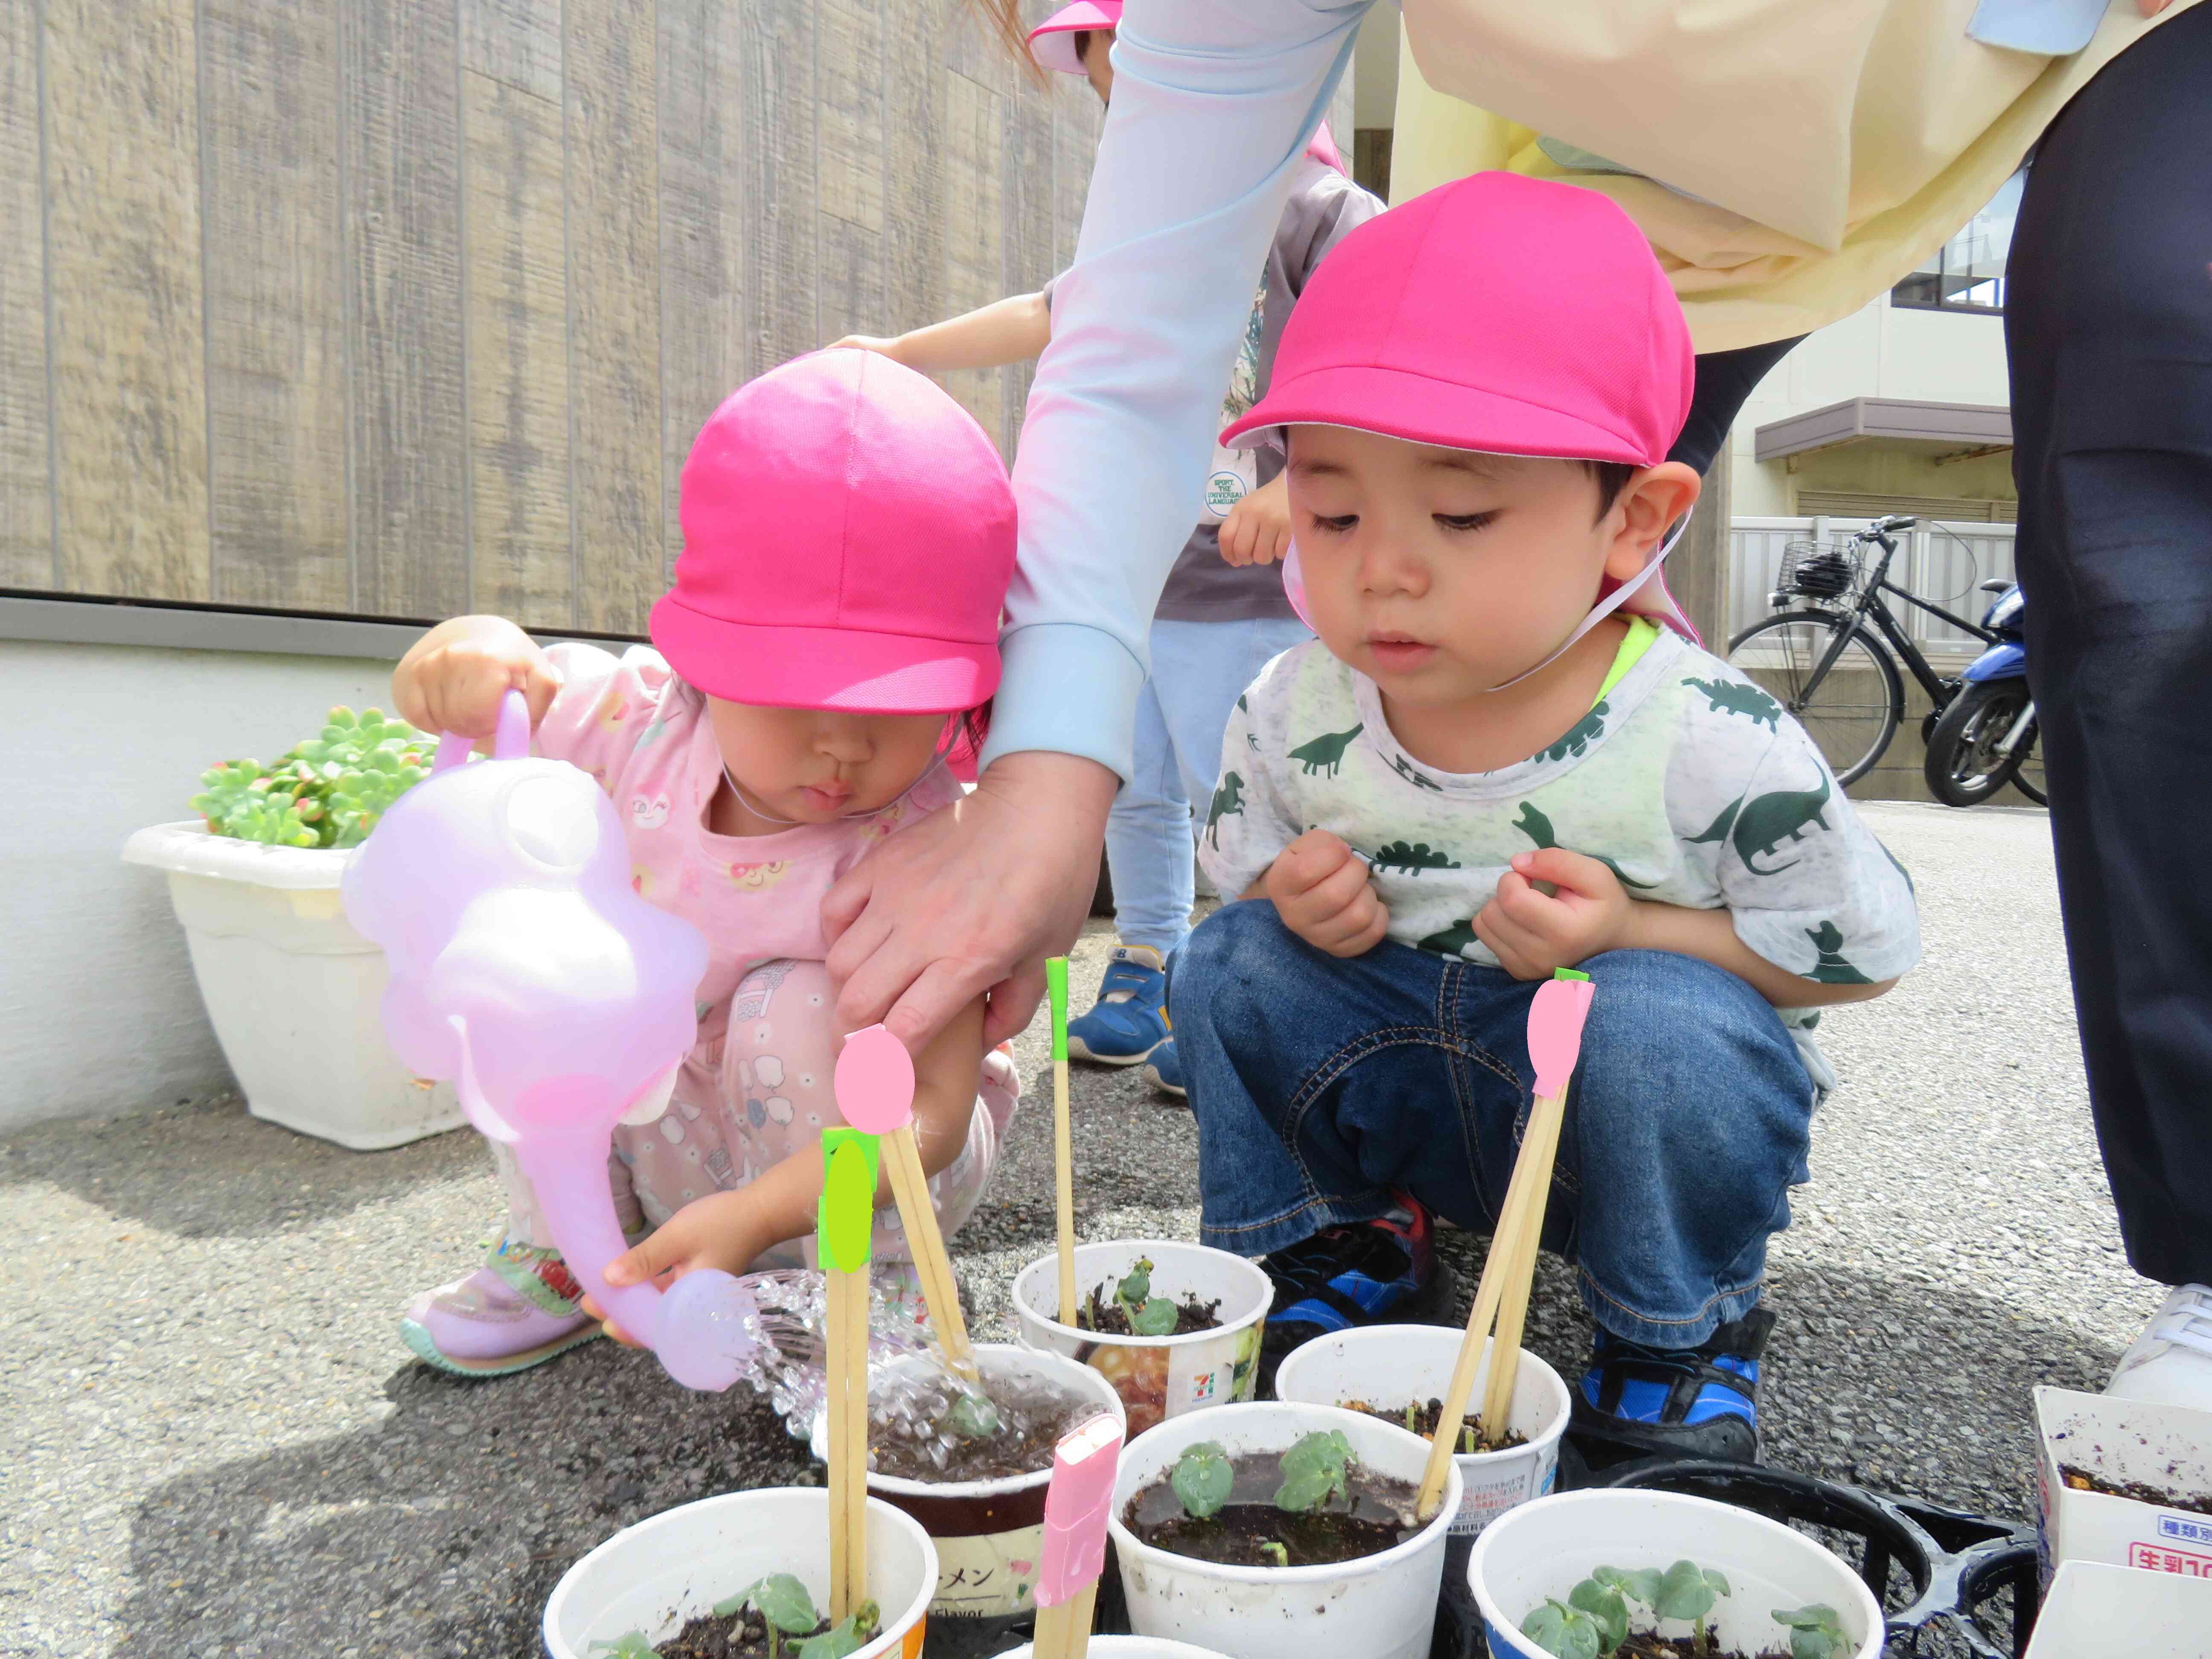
[[1817, 150]]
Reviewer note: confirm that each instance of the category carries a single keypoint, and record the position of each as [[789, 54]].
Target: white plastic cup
[[1157, 1377], [987, 1534], [1379, 1607], [659, 1575], [1542, 1549], [1387, 1365]]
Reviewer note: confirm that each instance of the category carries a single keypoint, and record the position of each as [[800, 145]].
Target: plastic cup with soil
[[1282, 1531], [1188, 1338], [974, 1475], [2124, 1481], [1132, 1647], [1628, 1574], [1387, 1368], [654, 1587]]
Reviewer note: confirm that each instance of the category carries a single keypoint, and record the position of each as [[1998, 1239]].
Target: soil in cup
[[1422, 1418], [742, 1635], [1373, 1513], [2165, 1497], [1126, 1307], [927, 1426]]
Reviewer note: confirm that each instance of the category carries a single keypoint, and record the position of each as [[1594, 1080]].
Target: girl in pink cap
[[1505, 754], [1222, 613], [828, 650]]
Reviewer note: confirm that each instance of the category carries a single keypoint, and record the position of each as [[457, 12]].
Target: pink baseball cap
[[849, 535], [1498, 313], [1052, 42]]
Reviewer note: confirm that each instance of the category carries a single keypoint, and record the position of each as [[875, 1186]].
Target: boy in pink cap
[[830, 644], [1222, 613], [1505, 754]]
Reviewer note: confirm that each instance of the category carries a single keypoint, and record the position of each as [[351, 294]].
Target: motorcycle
[[1985, 738]]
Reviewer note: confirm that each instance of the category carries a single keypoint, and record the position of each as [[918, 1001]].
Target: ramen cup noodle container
[[1157, 1377], [2095, 1612], [987, 1534], [2167, 1447]]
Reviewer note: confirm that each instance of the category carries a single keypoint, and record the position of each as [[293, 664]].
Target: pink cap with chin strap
[[1499, 314]]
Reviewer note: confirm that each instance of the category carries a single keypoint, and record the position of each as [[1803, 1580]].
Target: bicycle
[[1824, 646]]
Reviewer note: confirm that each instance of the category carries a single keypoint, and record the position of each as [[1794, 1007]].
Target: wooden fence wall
[[409, 307]]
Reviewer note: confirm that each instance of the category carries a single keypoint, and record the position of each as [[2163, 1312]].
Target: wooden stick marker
[[1074, 1551], [844, 1226], [874, 1084], [1555, 1042], [1063, 1137]]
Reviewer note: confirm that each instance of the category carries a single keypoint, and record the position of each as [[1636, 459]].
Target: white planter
[[2097, 1612], [988, 1534], [659, 1574], [1157, 1377], [1543, 1549], [1132, 1647], [294, 993], [1379, 1606], [1387, 1365]]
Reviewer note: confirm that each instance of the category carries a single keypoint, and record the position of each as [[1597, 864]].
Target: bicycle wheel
[[1852, 714], [1966, 765]]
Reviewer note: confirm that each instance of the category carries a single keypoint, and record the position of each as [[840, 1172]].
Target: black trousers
[[2109, 328]]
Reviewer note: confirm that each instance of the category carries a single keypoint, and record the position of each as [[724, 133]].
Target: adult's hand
[[2152, 7], [972, 901]]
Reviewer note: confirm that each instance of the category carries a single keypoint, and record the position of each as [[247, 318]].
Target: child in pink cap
[[830, 644], [1222, 613], [1505, 754]]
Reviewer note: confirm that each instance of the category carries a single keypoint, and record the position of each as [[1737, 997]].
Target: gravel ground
[[218, 1446]]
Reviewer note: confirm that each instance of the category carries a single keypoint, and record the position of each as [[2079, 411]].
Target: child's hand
[[1322, 892], [1258, 528], [1533, 933], [887, 347], [452, 678], [717, 1230]]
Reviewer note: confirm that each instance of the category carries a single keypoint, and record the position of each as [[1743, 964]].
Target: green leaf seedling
[[1567, 1633], [1594, 1621], [847, 1636], [1313, 1472], [1815, 1632], [1277, 1552], [1148, 1315], [630, 1644], [1202, 1478], [973, 1417]]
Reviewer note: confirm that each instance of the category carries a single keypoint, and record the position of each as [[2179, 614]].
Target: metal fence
[[1936, 562]]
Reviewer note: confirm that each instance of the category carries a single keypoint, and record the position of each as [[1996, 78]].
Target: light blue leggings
[[1199, 671]]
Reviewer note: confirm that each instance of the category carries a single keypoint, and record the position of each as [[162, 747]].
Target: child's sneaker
[[1129, 1019], [1371, 1272], [2171, 1361], [1677, 1402], [1165, 1071], [485, 1325]]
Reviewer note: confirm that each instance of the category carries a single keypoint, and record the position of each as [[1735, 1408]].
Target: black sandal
[[1681, 1402]]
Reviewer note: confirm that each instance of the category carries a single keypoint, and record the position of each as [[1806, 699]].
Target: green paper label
[[1569, 973], [1056, 985], [844, 1224]]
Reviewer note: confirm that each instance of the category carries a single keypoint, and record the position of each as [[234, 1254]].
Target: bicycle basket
[[1817, 570]]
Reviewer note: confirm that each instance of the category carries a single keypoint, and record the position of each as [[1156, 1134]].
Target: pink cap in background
[[1052, 42], [849, 535]]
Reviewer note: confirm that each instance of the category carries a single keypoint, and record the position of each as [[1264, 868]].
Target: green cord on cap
[[1056, 985]]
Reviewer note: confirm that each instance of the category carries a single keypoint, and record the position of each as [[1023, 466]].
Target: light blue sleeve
[[1213, 100]]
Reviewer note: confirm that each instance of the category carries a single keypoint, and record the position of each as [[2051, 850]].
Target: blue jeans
[[1199, 671], [1321, 1085]]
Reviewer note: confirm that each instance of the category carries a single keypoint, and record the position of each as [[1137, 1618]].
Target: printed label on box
[[2188, 1531], [2158, 1560]]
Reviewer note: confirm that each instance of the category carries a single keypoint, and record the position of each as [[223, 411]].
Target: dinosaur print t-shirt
[[1685, 776]]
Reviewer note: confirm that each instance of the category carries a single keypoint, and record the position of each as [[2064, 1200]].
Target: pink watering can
[[525, 968]]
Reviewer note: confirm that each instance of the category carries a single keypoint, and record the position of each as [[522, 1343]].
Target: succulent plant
[[327, 791]]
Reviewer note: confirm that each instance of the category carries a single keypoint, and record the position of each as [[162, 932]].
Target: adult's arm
[[1212, 102]]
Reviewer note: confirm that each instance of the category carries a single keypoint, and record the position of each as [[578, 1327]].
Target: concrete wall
[[1880, 351], [98, 1009]]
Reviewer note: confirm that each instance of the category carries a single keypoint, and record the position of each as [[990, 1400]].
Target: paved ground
[[217, 1445]]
